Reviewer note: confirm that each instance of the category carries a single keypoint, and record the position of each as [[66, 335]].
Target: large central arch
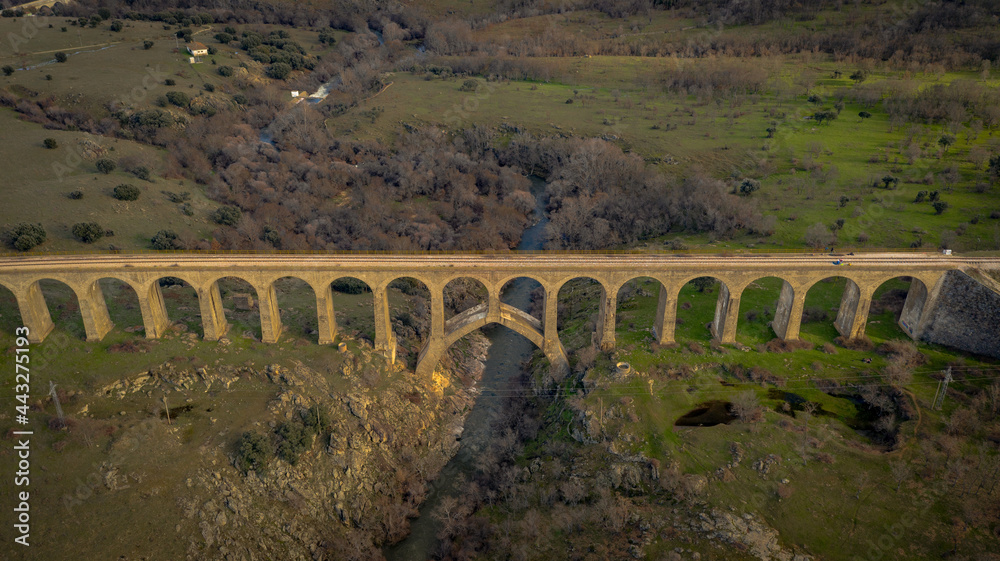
[[477, 317]]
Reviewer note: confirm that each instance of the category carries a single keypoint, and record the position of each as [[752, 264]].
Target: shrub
[[50, 143], [180, 99], [921, 197], [703, 284], [271, 235], [88, 232], [8, 70], [75, 195], [279, 70], [61, 56], [747, 187], [223, 38], [227, 215], [209, 87], [903, 352], [470, 85], [25, 236], [226, 71], [821, 116], [349, 286], [166, 239], [818, 235], [212, 50], [126, 192], [117, 26], [169, 82], [829, 349], [940, 207], [317, 420], [147, 44], [295, 439], [862, 343], [327, 36], [141, 172], [240, 99], [252, 452], [105, 165]]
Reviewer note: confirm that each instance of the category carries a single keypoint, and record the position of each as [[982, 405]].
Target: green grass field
[[844, 503], [805, 169]]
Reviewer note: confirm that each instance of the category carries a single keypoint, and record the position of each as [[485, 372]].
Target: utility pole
[[942, 390], [166, 408], [55, 399]]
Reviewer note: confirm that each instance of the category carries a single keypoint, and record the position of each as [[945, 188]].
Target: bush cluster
[[25, 236], [166, 239], [88, 232], [227, 215], [126, 192]]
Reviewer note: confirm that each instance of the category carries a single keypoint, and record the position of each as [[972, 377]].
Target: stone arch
[[761, 314], [572, 295], [55, 308], [10, 316], [850, 314], [463, 293], [297, 317], [905, 297], [477, 317], [234, 300], [347, 303], [408, 314], [122, 302], [635, 321], [173, 295], [524, 293], [702, 302]]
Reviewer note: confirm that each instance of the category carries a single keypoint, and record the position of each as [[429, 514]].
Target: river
[[508, 350]]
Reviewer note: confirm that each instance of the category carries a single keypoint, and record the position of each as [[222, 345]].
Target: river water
[[508, 350]]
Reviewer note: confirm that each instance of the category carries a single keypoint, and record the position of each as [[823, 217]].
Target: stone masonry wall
[[966, 316]]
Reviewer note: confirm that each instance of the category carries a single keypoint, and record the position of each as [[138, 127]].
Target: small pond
[[708, 414]]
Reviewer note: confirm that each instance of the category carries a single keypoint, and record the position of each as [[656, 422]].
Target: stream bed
[[508, 350]]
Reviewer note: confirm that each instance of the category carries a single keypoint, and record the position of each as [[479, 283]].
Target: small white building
[[197, 49], [295, 93]]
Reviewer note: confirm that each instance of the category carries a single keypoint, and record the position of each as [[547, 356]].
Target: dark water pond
[[708, 414]]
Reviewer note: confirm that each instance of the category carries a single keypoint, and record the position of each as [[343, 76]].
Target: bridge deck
[[500, 261]]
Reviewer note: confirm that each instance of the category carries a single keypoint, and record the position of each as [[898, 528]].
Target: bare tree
[[901, 472], [746, 406]]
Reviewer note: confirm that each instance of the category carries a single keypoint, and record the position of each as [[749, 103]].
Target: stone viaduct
[[864, 273]]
